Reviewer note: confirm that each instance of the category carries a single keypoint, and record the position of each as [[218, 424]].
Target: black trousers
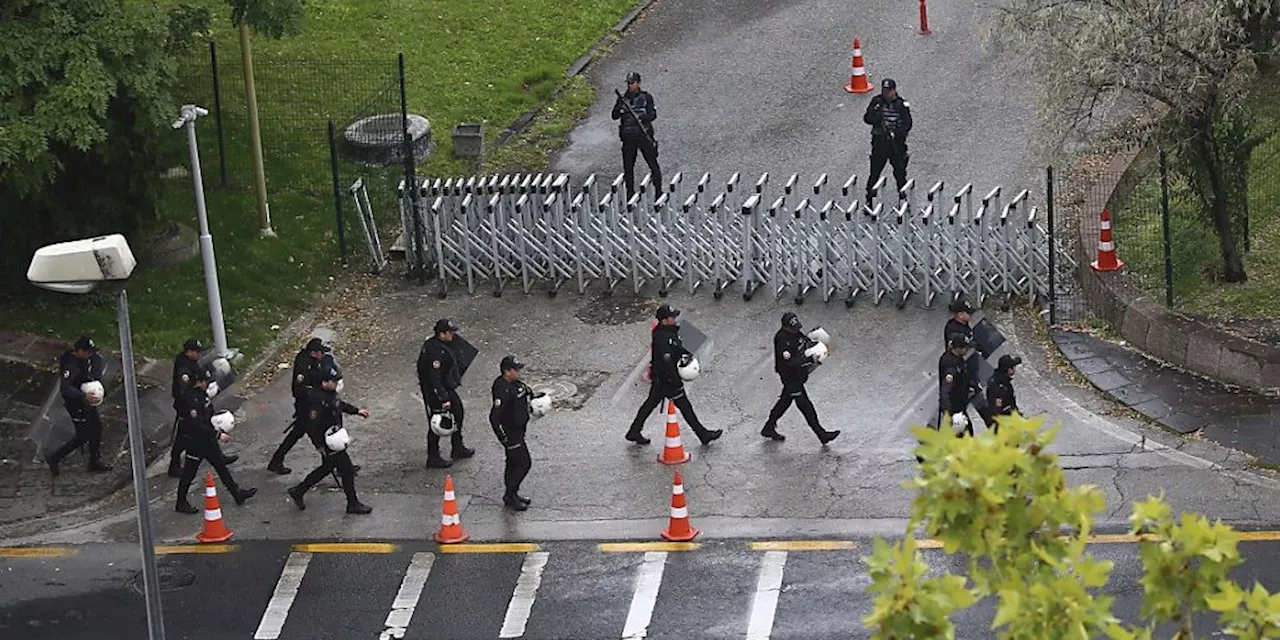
[[175, 451], [334, 460], [88, 426], [198, 450], [886, 150], [455, 408], [517, 466], [629, 148], [794, 392], [658, 393], [293, 434]]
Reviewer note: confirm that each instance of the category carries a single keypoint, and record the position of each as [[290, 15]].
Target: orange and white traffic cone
[[858, 81], [214, 529], [1107, 260], [679, 529], [673, 452], [450, 523], [648, 370]]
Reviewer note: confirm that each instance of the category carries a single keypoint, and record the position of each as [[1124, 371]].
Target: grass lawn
[[482, 61], [1194, 248]]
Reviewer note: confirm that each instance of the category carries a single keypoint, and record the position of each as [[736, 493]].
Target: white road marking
[[286, 590], [522, 598], [767, 589], [415, 578], [648, 580]]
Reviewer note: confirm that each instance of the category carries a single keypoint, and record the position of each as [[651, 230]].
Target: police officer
[[306, 365], [793, 368], [324, 416], [1000, 396], [183, 365], [200, 442], [509, 417], [665, 382], [637, 135], [79, 365], [961, 314], [955, 388], [890, 119], [439, 376]]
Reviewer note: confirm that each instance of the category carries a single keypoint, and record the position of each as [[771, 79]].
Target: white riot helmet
[[338, 389], [223, 421], [221, 368], [820, 335], [818, 352], [93, 392], [959, 422], [442, 424], [540, 406], [689, 369], [337, 438]]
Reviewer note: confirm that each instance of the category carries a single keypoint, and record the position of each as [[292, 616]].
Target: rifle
[[638, 121]]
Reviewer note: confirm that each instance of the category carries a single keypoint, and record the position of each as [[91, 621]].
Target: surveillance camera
[[79, 265]]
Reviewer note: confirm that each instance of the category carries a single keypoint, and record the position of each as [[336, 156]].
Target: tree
[[274, 19], [1190, 59], [85, 107], [1002, 501]]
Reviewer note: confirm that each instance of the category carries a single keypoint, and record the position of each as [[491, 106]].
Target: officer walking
[[955, 388], [184, 364], [306, 365], [200, 443], [322, 419], [890, 119], [793, 367], [1000, 396], [665, 382], [637, 134], [439, 376], [509, 418], [79, 365], [961, 314]]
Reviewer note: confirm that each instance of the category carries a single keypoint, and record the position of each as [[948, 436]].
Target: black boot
[[710, 435], [242, 496], [514, 502], [296, 493], [829, 436], [436, 462], [98, 467], [279, 468], [358, 507], [230, 459], [185, 507], [52, 461], [636, 437], [771, 432], [462, 453]]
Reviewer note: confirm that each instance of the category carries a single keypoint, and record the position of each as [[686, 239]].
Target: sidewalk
[[1179, 401]]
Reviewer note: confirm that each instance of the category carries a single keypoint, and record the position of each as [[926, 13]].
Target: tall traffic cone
[[1107, 259], [673, 452], [214, 529], [450, 523], [858, 81], [679, 530]]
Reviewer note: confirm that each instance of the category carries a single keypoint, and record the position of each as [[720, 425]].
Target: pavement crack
[[1115, 482]]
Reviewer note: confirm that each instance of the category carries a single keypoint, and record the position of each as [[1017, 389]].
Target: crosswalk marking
[[767, 590], [522, 598], [648, 580], [286, 590], [415, 578]]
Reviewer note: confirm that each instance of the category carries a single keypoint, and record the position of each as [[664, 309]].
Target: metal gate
[[771, 237]]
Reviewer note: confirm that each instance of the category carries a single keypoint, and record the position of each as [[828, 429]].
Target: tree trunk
[[1218, 196]]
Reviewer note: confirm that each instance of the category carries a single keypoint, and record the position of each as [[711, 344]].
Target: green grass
[[1196, 259], [483, 61]]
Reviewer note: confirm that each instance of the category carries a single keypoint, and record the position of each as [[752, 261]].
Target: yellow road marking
[[345, 547], [508, 547], [633, 547], [36, 552], [928, 543], [1119, 538], [804, 545], [1258, 536], [192, 548]]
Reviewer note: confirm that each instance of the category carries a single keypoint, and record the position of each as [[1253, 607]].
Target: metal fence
[[799, 238]]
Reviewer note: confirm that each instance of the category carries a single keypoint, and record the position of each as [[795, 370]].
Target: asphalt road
[[563, 591]]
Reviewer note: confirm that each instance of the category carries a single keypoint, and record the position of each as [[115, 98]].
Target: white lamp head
[[79, 265]]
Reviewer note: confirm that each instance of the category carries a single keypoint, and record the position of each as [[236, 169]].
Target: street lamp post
[[188, 119], [78, 267]]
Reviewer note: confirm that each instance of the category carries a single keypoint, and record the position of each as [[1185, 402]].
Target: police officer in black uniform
[[79, 365], [200, 442], [665, 382], [183, 365], [306, 365], [509, 418], [439, 376], [955, 388], [637, 135], [1000, 397], [961, 314], [793, 367], [890, 119], [324, 415]]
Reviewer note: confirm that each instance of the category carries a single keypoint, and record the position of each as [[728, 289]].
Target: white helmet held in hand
[[337, 438], [212, 389], [221, 368], [338, 389], [689, 369], [442, 424], [959, 422], [818, 352], [820, 335], [93, 392], [223, 421], [540, 406]]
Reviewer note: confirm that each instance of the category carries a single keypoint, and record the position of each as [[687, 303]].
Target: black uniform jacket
[[195, 425], [509, 415], [74, 372], [953, 382], [889, 117], [667, 351], [1000, 396], [324, 410], [438, 371], [642, 103], [304, 370], [183, 367], [788, 356]]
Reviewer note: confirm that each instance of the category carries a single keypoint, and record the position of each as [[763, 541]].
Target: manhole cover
[[172, 577], [557, 389]]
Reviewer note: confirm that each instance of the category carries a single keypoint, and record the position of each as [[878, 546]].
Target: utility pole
[[255, 135]]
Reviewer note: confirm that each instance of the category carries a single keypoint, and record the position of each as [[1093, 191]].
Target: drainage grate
[[172, 578]]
